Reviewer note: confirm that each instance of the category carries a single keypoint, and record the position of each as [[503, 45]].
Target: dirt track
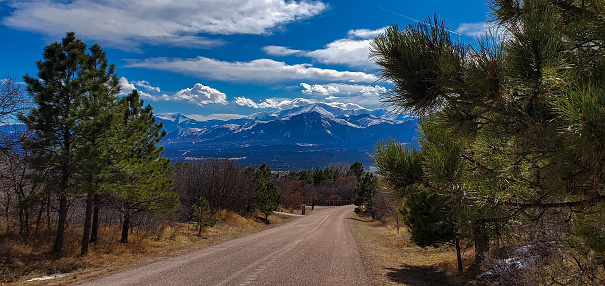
[[317, 249]]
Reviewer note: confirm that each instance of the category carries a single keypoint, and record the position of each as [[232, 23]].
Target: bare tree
[[222, 182], [13, 99]]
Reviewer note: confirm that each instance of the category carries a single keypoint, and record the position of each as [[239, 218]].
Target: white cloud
[[352, 51], [342, 89], [365, 33], [243, 101], [318, 88], [347, 106], [218, 116], [145, 84], [276, 103], [127, 87], [200, 95], [281, 51], [473, 29], [256, 71], [482, 29], [126, 24], [347, 93]]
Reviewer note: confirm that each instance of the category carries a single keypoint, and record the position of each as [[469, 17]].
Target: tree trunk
[[481, 244], [48, 199], [23, 224], [95, 220], [61, 224], [87, 224], [458, 255], [39, 218], [199, 224], [125, 227]]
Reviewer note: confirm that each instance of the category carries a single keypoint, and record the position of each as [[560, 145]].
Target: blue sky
[[225, 59]]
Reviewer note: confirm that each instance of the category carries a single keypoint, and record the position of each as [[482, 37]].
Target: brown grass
[[393, 260], [20, 262]]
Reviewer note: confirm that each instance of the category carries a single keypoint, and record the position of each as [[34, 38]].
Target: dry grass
[[393, 260], [20, 261]]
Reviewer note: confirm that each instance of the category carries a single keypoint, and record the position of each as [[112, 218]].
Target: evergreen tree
[[526, 110], [70, 82], [365, 190], [93, 142], [138, 177], [267, 198], [356, 170], [202, 216]]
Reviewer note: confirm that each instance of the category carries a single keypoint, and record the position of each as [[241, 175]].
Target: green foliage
[[139, 176], [356, 170], [365, 190], [86, 139], [267, 198], [512, 127], [429, 218], [306, 176], [73, 95], [202, 216], [400, 165]]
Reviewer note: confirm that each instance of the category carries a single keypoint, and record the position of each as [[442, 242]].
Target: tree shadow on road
[[422, 276], [357, 219]]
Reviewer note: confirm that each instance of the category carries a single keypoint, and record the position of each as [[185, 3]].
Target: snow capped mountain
[[318, 126]]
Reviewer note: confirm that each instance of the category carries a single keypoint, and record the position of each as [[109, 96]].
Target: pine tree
[[366, 188], [138, 176], [356, 170], [526, 110], [202, 216], [98, 108], [69, 81], [267, 198]]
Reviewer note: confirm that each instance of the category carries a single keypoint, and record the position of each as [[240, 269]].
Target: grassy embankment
[[392, 259], [20, 262]]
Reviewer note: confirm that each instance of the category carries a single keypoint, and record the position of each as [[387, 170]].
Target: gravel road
[[317, 249]]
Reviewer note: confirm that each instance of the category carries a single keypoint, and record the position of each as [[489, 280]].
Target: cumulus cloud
[[275, 103], [145, 84], [318, 88], [351, 51], [342, 89], [368, 95], [128, 23], [127, 87], [256, 71], [473, 29], [243, 101], [200, 95]]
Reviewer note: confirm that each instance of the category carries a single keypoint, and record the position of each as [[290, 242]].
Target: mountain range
[[306, 137]]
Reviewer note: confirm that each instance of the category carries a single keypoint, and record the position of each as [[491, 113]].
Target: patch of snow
[[52, 276]]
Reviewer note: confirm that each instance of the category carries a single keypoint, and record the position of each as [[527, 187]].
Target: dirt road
[[317, 249]]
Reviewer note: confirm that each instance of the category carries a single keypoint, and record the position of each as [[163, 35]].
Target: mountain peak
[[175, 117]]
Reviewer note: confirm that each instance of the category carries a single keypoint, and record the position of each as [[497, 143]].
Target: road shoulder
[[391, 259]]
